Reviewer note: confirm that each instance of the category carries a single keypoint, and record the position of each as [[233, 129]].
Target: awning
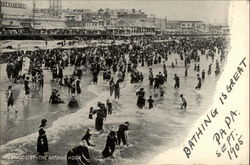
[[93, 28], [8, 50], [50, 25], [44, 27], [11, 26], [76, 28]]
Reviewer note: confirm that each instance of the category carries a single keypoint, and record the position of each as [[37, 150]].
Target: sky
[[209, 11]]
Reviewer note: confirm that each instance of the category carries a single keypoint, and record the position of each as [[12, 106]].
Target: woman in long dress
[[110, 145], [141, 100], [42, 142]]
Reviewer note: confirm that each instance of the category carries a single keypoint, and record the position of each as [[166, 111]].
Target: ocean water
[[151, 131]]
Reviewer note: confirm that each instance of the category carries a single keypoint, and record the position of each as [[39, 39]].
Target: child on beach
[[109, 106], [91, 112], [10, 99], [150, 102], [183, 102], [161, 91], [199, 82]]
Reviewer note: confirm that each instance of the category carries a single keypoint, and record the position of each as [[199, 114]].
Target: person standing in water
[[161, 91], [122, 133], [151, 78], [203, 75], [217, 68], [141, 100], [78, 87], [172, 65], [42, 142], [150, 102], [117, 90], [109, 106], [26, 88], [198, 68], [110, 145], [165, 73], [91, 110], [177, 81], [209, 69], [199, 82], [186, 72], [157, 82], [10, 99], [111, 86], [100, 115], [183, 102]]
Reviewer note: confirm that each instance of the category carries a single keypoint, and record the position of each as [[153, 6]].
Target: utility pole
[[33, 14], [55, 7], [1, 15], [165, 22]]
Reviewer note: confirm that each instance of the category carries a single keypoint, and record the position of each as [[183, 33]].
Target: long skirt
[[42, 144], [140, 102], [98, 123]]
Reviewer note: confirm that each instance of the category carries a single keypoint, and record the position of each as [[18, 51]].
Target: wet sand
[[26, 121]]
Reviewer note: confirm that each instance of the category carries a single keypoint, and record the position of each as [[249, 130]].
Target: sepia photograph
[[124, 82]]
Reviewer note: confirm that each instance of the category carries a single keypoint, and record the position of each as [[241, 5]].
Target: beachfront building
[[225, 30], [55, 7], [191, 27], [84, 21], [175, 27], [48, 26], [14, 15], [218, 29], [73, 20], [17, 18], [87, 18], [130, 23], [131, 27], [133, 14]]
